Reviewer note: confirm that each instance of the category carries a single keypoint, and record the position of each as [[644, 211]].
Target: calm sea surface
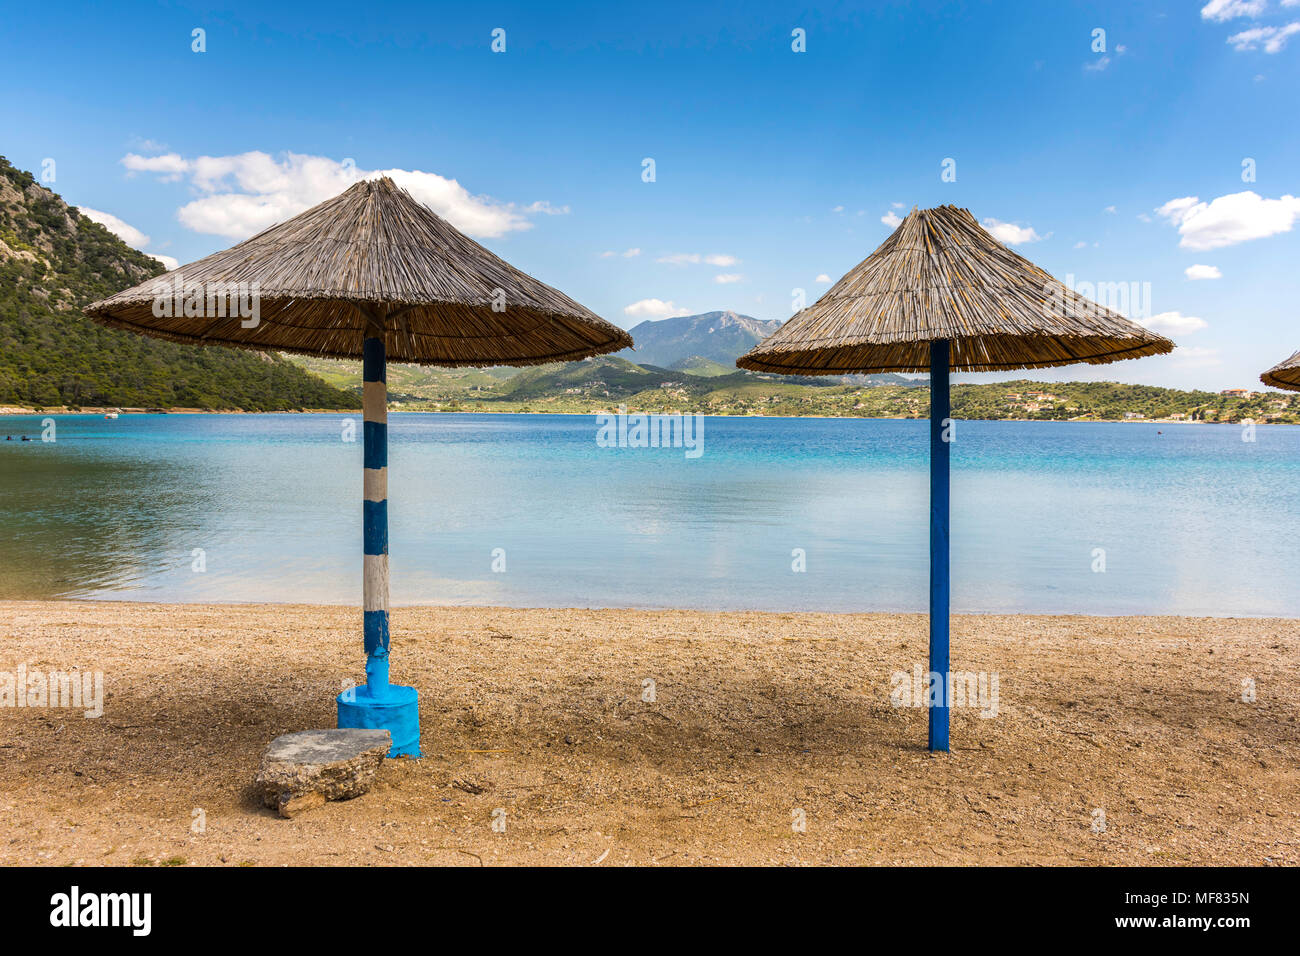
[[1191, 519]]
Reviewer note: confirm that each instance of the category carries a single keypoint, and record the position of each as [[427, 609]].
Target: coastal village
[[1032, 404]]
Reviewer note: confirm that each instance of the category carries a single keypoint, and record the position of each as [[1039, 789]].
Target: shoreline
[[541, 718], [16, 411], [633, 609]]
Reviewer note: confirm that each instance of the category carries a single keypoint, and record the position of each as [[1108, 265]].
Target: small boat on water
[[111, 415]]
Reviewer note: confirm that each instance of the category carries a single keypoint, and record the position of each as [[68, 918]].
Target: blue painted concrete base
[[394, 708]]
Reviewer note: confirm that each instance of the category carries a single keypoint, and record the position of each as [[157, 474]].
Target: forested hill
[[53, 261]]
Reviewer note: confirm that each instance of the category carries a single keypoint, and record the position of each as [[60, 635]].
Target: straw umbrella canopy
[[370, 274], [372, 251], [942, 294], [1284, 374]]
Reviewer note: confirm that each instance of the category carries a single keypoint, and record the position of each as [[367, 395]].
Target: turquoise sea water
[[1192, 519]]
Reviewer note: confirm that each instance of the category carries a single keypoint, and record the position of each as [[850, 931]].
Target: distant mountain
[[53, 261], [708, 345], [720, 337]]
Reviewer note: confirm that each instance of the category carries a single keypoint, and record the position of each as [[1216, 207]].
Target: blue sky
[[772, 167]]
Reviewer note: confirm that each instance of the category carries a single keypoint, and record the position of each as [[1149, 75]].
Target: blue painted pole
[[940, 412], [378, 704]]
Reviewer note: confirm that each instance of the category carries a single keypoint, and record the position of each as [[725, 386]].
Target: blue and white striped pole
[[378, 704], [940, 412], [374, 409]]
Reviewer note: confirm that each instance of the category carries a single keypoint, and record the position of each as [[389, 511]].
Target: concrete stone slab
[[304, 769]]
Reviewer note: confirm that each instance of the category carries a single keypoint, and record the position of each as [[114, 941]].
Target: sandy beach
[[759, 721]]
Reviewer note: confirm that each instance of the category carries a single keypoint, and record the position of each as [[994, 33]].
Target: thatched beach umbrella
[[1284, 374], [369, 274], [941, 294]]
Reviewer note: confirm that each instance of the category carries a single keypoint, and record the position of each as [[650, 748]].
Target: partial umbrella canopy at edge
[[941, 276], [372, 254], [1284, 374]]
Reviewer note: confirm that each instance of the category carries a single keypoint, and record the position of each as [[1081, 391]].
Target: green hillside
[[602, 384], [53, 261], [699, 365], [581, 386]]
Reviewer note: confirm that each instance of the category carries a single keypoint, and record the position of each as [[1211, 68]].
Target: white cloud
[[1174, 323], [546, 209], [128, 233], [245, 193], [1203, 272], [150, 145], [1010, 233], [1109, 209], [1104, 61], [1221, 10], [626, 254], [838, 209], [1237, 217], [694, 258], [476, 215], [1176, 209], [1080, 244], [1198, 356], [169, 167], [654, 309], [891, 220], [822, 277], [1273, 38], [899, 205], [727, 278]]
